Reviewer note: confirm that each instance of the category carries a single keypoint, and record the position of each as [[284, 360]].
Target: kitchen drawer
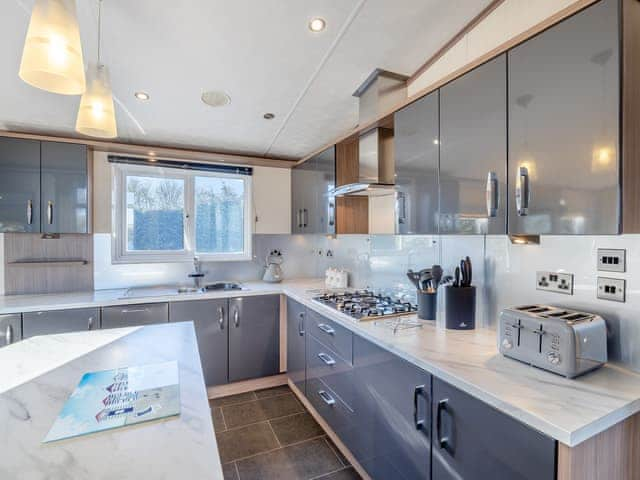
[[333, 410], [60, 321], [135, 315], [10, 329], [334, 336], [326, 365]]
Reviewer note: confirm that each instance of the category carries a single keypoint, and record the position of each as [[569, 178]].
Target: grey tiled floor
[[268, 434]]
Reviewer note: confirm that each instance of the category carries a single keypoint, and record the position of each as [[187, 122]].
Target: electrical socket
[[611, 289], [555, 282], [612, 260]]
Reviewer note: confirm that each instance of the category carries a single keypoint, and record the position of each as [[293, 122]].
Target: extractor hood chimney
[[378, 94]]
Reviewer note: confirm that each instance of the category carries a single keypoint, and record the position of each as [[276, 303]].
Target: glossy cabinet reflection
[[296, 351], [473, 151], [416, 158], [60, 321], [10, 329], [563, 127]]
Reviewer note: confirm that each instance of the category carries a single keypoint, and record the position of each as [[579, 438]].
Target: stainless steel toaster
[[566, 342]]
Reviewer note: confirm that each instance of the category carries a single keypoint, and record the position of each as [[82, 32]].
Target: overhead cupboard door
[[564, 90]]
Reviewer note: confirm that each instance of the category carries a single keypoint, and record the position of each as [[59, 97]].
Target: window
[[172, 215]]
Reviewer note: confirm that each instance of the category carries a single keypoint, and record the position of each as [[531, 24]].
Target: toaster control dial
[[553, 358], [506, 344]]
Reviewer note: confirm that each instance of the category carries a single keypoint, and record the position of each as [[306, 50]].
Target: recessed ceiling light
[[216, 98], [317, 24], [142, 96], [269, 116]]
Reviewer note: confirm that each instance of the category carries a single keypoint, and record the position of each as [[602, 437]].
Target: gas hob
[[366, 305]]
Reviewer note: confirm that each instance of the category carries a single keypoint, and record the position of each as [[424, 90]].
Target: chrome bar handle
[[492, 195], [443, 441], [236, 318], [29, 212], [8, 335], [326, 328], [328, 399], [221, 317], [299, 218], [301, 324], [523, 192], [90, 323], [402, 211], [332, 213], [305, 217], [420, 423], [50, 212], [326, 359]]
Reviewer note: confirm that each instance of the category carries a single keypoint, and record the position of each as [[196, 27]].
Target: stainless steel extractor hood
[[380, 91]]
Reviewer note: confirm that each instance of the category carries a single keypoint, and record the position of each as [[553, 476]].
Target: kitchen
[[376, 242]]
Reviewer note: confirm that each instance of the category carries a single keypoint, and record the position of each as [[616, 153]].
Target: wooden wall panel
[[347, 169], [352, 213]]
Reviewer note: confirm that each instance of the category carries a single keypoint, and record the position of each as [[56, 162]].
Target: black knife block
[[427, 305], [460, 307]]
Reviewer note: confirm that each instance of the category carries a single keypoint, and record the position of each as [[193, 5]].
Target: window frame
[[119, 252]]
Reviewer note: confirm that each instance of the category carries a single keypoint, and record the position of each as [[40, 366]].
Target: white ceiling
[[259, 51]]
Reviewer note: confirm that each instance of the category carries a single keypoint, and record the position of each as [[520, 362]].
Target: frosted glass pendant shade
[[96, 115], [52, 55]]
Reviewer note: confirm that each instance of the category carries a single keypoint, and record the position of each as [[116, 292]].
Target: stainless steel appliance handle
[[492, 195], [29, 212], [443, 441], [134, 310], [299, 218], [326, 359], [305, 217], [420, 423], [236, 318], [332, 213], [90, 323], [328, 399], [8, 335], [50, 212], [326, 328], [301, 324], [523, 192], [402, 211], [221, 317]]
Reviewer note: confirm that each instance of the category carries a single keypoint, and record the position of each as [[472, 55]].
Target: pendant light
[[52, 55], [96, 115]]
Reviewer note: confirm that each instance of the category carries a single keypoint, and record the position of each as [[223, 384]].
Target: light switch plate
[[555, 282], [612, 260], [611, 289]]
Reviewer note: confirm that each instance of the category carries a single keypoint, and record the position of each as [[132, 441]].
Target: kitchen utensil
[[463, 273], [469, 270], [436, 274], [414, 278], [456, 282], [273, 270], [563, 341], [424, 279]]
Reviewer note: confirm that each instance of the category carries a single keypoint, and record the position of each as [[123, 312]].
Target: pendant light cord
[[99, 30]]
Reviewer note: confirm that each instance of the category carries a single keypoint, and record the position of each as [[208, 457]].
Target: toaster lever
[[540, 332]]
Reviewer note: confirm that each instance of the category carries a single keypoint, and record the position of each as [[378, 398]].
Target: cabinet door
[[324, 211], [473, 440], [473, 151], [60, 321], [416, 157], [210, 321], [254, 337], [296, 351], [135, 315], [393, 405], [297, 199], [10, 329], [19, 185], [64, 188], [564, 156]]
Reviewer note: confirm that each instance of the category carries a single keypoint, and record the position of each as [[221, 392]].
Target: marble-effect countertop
[[569, 411], [178, 447]]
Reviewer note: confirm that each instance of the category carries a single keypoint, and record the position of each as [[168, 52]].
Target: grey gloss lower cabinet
[[10, 329], [135, 315], [254, 337], [472, 440], [392, 404], [210, 321], [296, 345], [59, 321]]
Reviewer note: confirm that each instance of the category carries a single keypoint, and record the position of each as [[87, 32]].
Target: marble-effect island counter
[[178, 447]]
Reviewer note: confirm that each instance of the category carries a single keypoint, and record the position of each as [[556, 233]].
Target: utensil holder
[[427, 305], [460, 307]]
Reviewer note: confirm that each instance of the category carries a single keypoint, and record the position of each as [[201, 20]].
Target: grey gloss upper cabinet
[[64, 197], [210, 320], [416, 159], [254, 337], [10, 329], [473, 440], [19, 185], [393, 406], [564, 91], [473, 151], [313, 206], [296, 350], [59, 321], [135, 315]]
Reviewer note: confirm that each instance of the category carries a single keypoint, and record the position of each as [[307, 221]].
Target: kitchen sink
[[169, 290], [217, 286]]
